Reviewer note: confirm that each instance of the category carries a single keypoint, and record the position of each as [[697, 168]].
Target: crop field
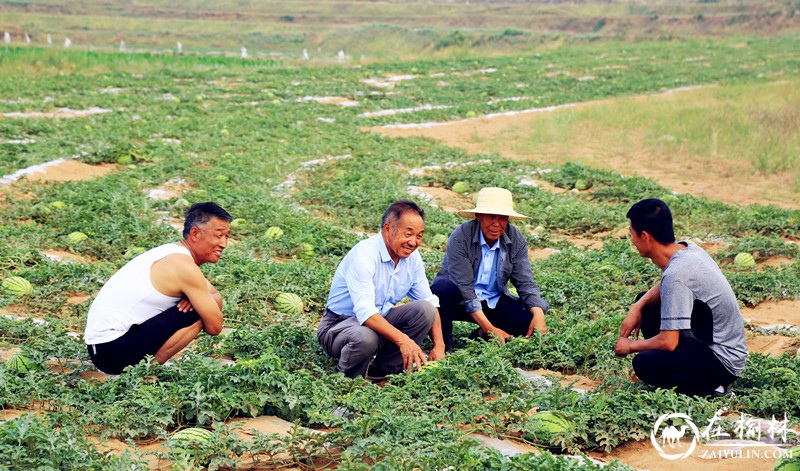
[[116, 145]]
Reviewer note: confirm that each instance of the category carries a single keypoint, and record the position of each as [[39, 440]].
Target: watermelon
[[789, 460], [21, 364], [460, 187], [75, 238], [274, 233], [134, 251], [58, 204], [306, 251], [17, 285], [744, 260], [546, 426], [125, 159], [191, 442], [182, 203], [239, 223], [583, 185], [42, 211], [288, 303]]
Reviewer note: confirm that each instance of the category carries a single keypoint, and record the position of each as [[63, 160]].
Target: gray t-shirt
[[692, 274]]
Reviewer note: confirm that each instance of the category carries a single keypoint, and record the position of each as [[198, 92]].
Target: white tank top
[[129, 297]]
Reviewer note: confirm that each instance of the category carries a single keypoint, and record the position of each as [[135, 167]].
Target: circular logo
[[671, 436]]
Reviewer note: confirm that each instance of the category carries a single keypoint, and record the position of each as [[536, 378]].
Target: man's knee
[[426, 313], [367, 340], [645, 365]]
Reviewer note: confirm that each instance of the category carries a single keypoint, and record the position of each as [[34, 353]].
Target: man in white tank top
[[160, 301]]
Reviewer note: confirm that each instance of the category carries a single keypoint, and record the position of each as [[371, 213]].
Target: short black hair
[[396, 210], [200, 213], [653, 215]]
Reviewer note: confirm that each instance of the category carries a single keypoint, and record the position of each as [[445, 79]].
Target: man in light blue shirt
[[362, 318]]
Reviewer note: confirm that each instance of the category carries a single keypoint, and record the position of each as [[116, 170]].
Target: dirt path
[[599, 147]]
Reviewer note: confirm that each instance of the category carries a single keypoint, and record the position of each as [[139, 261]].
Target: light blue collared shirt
[[368, 282], [486, 275]]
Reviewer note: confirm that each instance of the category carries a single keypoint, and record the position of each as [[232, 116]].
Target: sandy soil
[[71, 170]]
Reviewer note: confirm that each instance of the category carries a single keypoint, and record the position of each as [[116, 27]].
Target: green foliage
[[31, 442], [242, 133]]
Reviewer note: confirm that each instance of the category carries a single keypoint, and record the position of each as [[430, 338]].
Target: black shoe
[[376, 374], [723, 391]]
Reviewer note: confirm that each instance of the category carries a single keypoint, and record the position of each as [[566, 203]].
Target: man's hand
[[623, 346], [184, 305], [501, 334], [632, 322], [437, 353], [537, 322], [412, 354]]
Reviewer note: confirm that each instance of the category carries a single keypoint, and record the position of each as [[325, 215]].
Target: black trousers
[[692, 368], [141, 340], [509, 314]]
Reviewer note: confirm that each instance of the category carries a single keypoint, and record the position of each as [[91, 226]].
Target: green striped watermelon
[[239, 223], [17, 285], [288, 303], [744, 260], [75, 238], [193, 442], [546, 426], [306, 251], [460, 187], [274, 233], [21, 364]]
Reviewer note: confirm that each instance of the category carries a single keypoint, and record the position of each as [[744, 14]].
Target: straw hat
[[493, 201]]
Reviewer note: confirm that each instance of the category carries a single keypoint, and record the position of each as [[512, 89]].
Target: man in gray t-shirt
[[693, 331]]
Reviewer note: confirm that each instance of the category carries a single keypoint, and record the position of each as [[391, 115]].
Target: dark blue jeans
[[509, 314], [692, 368]]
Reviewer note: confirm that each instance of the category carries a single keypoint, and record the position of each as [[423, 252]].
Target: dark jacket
[[462, 259]]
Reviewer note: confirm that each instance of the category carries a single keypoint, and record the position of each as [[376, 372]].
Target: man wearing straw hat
[[482, 256]]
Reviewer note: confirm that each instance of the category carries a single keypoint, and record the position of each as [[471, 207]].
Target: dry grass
[[736, 143]]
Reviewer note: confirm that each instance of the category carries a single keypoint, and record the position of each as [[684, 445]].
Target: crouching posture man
[[362, 317], [158, 302], [693, 331]]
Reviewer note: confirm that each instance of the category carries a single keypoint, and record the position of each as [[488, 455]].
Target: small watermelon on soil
[[76, 238], [288, 303], [583, 185], [546, 426], [134, 251], [460, 187], [193, 442], [239, 223], [17, 285], [21, 364], [744, 260], [273, 233], [307, 251]]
